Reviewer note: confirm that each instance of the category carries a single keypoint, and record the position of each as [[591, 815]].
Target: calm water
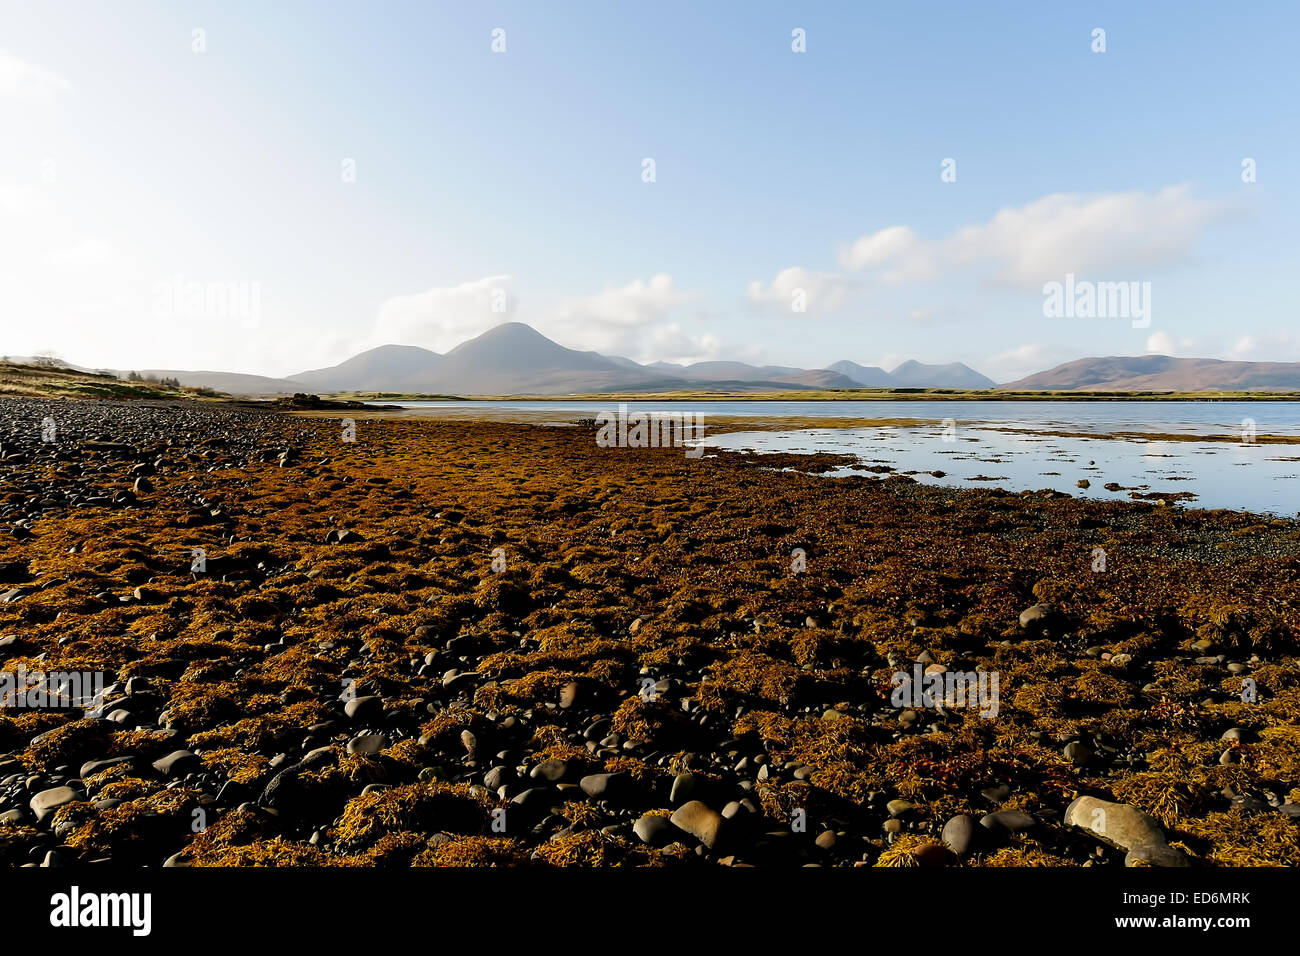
[[976, 449]]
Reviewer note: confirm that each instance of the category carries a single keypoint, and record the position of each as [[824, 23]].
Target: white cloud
[[1023, 360], [670, 343], [797, 291], [897, 250], [635, 304], [629, 320], [1048, 238], [442, 318], [1269, 347], [27, 81]]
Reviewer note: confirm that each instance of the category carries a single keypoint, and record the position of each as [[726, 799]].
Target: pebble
[[178, 763], [364, 710], [1012, 821], [368, 744], [700, 821], [897, 808], [653, 830], [1037, 618], [961, 834], [47, 801]]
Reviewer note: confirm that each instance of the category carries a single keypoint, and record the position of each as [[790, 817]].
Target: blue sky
[[509, 185]]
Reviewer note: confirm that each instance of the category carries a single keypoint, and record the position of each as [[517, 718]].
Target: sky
[[271, 187]]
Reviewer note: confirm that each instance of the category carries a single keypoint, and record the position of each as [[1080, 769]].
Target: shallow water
[[1248, 477], [993, 444]]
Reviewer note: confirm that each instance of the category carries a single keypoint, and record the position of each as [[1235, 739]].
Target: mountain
[[741, 372], [868, 376], [388, 368], [515, 359], [512, 358], [1163, 373], [914, 374]]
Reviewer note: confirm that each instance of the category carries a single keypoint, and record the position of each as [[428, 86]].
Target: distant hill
[[955, 375], [515, 359], [869, 376], [914, 374], [391, 368], [232, 383], [1163, 373]]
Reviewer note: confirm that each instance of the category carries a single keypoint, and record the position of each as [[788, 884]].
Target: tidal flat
[[433, 642]]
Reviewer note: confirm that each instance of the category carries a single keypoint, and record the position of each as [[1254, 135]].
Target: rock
[[932, 855], [364, 710], [533, 803], [551, 771], [654, 831], [684, 785], [47, 801], [996, 795], [1037, 618], [178, 763], [961, 833], [897, 808], [368, 744], [1078, 753], [569, 693], [456, 681], [825, 840], [1011, 821], [1155, 854], [91, 767], [498, 777], [700, 821], [1119, 824], [606, 786]]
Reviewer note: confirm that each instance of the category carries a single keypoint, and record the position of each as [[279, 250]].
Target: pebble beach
[[429, 642]]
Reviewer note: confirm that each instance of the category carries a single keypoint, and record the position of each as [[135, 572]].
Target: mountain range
[[1163, 373], [515, 359]]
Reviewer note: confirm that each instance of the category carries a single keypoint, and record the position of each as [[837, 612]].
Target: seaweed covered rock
[[1124, 826]]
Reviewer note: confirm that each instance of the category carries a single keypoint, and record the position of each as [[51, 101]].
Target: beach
[[455, 641]]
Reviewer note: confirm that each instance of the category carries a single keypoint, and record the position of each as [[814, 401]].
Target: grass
[[56, 381]]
